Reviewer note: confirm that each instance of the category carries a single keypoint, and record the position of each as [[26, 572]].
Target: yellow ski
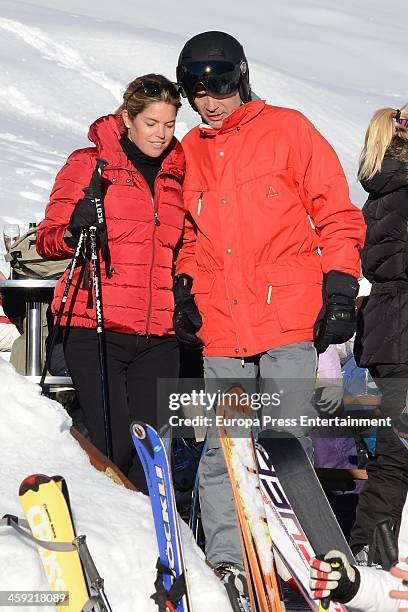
[[46, 506]]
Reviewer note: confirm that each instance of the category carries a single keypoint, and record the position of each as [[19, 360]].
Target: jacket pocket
[[195, 201], [297, 305], [202, 288], [296, 294], [262, 168]]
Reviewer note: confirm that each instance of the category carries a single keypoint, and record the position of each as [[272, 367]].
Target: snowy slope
[[35, 438]]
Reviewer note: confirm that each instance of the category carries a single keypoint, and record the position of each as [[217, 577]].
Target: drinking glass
[[11, 231]]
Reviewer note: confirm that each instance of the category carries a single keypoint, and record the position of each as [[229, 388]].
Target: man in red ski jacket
[[270, 254]]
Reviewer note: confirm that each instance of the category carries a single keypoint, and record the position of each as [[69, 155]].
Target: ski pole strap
[[91, 604], [167, 600], [23, 528]]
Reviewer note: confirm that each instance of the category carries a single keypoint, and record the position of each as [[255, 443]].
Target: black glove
[[84, 216], [187, 319], [336, 321]]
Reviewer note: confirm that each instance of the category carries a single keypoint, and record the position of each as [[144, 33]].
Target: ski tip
[[32, 483], [138, 430]]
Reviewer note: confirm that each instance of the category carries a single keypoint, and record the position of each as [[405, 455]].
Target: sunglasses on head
[[152, 89]]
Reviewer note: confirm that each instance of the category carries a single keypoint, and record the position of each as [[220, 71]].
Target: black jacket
[[382, 330]]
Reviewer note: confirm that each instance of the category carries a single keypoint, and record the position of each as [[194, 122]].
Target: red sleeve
[[338, 223], [67, 191], [186, 259]]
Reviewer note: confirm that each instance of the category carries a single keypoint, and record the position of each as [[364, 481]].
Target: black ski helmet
[[216, 62]]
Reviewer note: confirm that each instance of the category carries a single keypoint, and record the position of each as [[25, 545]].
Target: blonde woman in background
[[382, 332]]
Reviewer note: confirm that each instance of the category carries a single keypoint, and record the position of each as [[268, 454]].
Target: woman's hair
[[380, 132], [136, 97]]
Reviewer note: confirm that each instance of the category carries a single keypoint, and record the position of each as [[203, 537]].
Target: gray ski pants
[[289, 370]]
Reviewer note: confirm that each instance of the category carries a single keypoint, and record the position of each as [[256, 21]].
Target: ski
[[45, 502], [239, 594], [303, 490], [171, 585], [256, 540], [290, 541]]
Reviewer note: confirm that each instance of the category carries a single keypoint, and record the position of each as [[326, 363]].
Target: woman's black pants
[[385, 491], [135, 364]]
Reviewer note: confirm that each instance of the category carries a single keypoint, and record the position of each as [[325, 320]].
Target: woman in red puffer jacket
[[141, 190]]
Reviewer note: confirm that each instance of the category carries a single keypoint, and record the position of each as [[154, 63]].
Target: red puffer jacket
[[142, 235], [251, 189]]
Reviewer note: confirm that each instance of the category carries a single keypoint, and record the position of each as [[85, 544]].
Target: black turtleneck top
[[148, 166]]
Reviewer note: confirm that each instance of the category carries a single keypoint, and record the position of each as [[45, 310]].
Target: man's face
[[214, 109]]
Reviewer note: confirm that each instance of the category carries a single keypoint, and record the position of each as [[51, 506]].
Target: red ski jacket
[[268, 211], [142, 235]]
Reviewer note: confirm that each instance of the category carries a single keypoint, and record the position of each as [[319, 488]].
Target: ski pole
[[93, 192], [96, 282], [95, 580], [67, 287], [194, 519]]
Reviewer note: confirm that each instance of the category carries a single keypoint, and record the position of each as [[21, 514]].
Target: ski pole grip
[[87, 561], [385, 542], [93, 189], [101, 164], [335, 564], [10, 518]]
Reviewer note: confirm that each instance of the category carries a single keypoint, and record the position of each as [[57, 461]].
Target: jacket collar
[[393, 174], [106, 132], [245, 113]]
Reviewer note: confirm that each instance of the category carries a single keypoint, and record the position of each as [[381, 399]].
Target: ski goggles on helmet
[[216, 77]]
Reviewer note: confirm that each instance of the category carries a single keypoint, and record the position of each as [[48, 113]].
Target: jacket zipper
[[156, 223]]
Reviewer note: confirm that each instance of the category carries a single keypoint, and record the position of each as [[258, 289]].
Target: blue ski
[[152, 453]]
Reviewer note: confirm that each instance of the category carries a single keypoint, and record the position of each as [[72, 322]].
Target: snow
[[66, 62], [35, 438]]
